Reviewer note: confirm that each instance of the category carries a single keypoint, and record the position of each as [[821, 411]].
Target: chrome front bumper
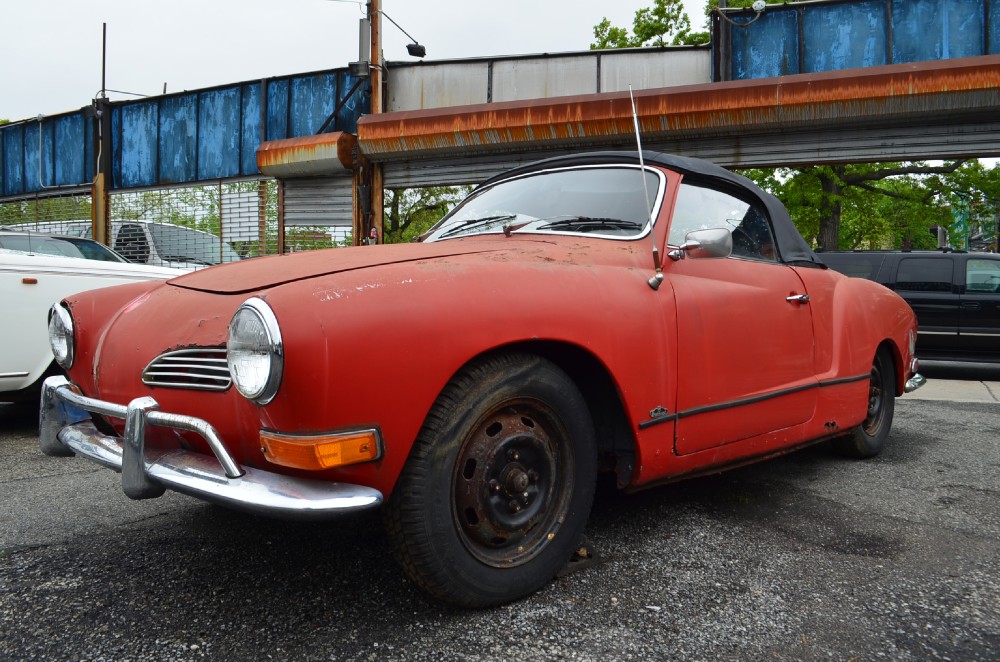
[[66, 428]]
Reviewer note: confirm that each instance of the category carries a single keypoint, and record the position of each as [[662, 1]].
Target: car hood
[[266, 272]]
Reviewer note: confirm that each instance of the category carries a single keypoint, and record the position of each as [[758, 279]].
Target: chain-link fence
[[188, 226], [196, 225], [34, 211]]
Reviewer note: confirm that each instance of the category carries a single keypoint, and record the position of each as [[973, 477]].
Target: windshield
[[63, 246], [609, 201], [179, 244]]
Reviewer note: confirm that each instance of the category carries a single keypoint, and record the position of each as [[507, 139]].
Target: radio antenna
[[657, 278]]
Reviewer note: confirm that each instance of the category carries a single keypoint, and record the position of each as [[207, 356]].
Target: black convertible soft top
[[792, 247]]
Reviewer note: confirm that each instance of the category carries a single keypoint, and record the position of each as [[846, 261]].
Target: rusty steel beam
[[941, 92], [323, 154]]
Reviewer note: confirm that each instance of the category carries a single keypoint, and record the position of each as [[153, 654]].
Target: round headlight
[[254, 351], [61, 335]]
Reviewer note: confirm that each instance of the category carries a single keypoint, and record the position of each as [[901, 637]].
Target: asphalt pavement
[[806, 557]]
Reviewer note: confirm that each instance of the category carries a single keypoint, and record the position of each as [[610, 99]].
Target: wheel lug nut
[[513, 456], [514, 506], [533, 475], [494, 485]]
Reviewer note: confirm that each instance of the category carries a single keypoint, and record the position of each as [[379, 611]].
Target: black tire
[[498, 487], [868, 439]]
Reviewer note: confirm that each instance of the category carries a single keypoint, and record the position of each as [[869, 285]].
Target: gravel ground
[[807, 557]]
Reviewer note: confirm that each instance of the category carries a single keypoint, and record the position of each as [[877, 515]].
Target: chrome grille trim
[[199, 368]]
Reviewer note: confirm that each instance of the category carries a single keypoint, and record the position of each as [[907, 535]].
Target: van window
[[982, 275], [924, 274], [855, 265], [181, 244], [131, 243]]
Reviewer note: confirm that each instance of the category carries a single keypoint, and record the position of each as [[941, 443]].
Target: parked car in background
[[37, 270], [60, 245], [149, 242], [955, 295], [653, 319]]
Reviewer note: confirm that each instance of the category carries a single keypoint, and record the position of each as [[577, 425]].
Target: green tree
[[880, 205], [664, 23], [408, 213]]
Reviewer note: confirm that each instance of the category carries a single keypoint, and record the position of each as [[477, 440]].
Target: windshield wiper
[[587, 222], [469, 223]]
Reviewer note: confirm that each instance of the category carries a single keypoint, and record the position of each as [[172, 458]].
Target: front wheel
[[497, 489], [868, 439]]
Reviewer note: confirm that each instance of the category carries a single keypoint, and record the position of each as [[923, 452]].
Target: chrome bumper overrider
[[914, 382], [66, 428]]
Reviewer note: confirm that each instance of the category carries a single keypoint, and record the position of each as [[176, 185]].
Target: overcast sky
[[51, 49]]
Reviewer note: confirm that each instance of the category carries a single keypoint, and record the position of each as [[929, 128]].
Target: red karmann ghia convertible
[[580, 314]]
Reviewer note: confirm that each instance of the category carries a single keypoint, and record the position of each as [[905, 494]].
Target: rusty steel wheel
[[868, 439], [511, 486], [496, 492]]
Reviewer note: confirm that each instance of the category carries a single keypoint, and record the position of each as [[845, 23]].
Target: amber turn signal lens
[[317, 452]]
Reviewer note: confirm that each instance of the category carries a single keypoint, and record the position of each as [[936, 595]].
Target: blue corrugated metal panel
[[994, 28], [214, 134], [33, 148], [219, 130], [62, 157], [358, 104], [138, 149], [71, 167], [178, 135], [13, 159], [313, 99], [845, 36], [277, 108], [250, 136], [937, 29], [769, 47]]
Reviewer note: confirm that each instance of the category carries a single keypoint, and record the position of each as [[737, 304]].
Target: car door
[[745, 340], [979, 324], [927, 284]]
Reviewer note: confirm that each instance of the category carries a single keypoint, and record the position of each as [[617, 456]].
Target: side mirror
[[711, 242]]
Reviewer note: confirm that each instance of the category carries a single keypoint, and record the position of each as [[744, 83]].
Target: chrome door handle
[[798, 298]]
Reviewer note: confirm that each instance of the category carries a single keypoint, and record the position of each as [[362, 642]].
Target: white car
[[149, 242], [34, 278]]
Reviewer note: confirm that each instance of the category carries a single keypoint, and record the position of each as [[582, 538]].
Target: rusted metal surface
[[325, 154], [946, 91]]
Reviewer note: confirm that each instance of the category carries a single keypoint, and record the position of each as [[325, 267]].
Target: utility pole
[[375, 16]]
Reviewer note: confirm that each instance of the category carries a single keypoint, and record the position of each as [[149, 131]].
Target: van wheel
[[868, 439], [497, 489]]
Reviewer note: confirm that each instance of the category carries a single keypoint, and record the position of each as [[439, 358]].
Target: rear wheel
[[868, 439], [497, 490]]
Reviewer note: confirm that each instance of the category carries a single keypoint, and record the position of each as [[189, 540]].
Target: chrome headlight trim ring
[[61, 335], [254, 352]]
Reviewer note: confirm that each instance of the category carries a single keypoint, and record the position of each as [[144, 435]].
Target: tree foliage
[[885, 205], [665, 23], [408, 213]]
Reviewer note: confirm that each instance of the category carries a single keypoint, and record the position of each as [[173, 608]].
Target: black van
[[955, 295]]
